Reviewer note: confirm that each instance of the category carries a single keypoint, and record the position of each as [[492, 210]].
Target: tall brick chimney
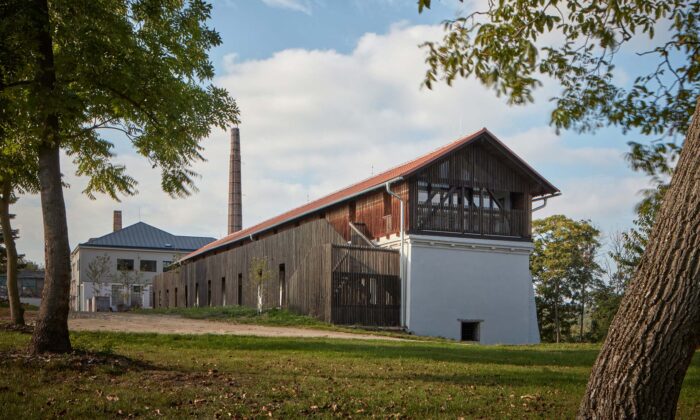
[[117, 221], [235, 211]]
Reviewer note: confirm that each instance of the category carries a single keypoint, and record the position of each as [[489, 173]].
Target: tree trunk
[[51, 330], [16, 312], [583, 311], [652, 339], [557, 330]]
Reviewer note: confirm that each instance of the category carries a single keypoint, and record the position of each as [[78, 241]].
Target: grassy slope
[[253, 376], [270, 317]]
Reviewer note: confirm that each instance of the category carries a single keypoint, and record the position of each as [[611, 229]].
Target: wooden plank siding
[[457, 184], [202, 278], [366, 287]]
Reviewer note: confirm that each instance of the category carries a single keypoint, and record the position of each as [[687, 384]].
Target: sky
[[330, 93]]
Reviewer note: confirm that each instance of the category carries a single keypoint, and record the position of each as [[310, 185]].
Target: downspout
[[402, 262], [544, 201]]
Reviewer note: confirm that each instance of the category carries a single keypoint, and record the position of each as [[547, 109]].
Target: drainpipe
[[402, 265], [544, 201]]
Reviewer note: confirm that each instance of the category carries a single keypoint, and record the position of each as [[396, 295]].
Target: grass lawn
[[152, 375]]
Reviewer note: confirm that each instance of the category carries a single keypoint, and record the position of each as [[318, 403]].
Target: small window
[[223, 291], [125, 265], [148, 265], [470, 331], [240, 289], [166, 264], [117, 295], [136, 289], [209, 293]]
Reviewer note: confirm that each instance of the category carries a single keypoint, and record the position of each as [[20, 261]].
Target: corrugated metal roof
[[144, 236], [374, 182]]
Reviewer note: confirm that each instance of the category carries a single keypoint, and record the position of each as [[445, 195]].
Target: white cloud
[[315, 121], [303, 6]]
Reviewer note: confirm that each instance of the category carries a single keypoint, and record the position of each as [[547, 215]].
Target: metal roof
[[375, 182], [144, 236]]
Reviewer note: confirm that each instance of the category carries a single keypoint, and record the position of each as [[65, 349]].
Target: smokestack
[[235, 211], [117, 221]]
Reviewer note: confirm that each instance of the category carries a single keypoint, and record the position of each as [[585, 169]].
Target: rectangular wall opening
[[208, 292], [283, 286], [187, 298], [223, 291], [470, 330], [240, 289]]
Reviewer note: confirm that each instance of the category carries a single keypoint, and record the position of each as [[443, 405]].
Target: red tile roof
[[368, 184]]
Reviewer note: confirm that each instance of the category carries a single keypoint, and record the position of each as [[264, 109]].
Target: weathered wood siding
[[199, 282], [471, 175], [366, 287]]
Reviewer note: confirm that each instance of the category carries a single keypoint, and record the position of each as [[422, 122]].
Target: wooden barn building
[[439, 245]]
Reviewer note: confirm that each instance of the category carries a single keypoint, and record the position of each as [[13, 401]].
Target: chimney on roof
[[235, 211], [117, 221]]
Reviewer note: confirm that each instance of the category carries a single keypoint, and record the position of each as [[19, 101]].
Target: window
[[240, 289], [209, 293], [283, 286], [166, 264], [223, 291], [117, 295], [148, 265], [136, 289], [470, 330], [125, 265]]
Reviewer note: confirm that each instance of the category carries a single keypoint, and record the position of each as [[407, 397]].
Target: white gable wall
[[451, 279]]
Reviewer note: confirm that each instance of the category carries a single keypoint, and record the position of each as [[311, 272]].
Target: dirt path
[[168, 324]]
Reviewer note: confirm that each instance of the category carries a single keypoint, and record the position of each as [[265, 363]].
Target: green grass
[[269, 317], [208, 376], [242, 315]]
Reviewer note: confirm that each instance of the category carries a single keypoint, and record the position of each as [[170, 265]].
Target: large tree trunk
[[51, 330], [640, 369], [16, 312]]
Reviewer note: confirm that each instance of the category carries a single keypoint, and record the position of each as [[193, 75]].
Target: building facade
[[116, 271], [439, 246]]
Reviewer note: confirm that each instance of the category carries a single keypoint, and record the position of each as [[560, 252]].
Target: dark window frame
[[155, 266]]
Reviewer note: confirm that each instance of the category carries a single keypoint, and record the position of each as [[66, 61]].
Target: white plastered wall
[[454, 278]]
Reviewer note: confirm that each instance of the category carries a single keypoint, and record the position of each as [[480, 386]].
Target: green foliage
[[565, 273], [136, 67], [507, 47], [626, 253], [259, 271]]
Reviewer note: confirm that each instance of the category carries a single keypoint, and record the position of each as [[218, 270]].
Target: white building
[[115, 271]]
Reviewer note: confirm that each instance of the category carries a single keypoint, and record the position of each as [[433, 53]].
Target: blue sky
[[330, 93]]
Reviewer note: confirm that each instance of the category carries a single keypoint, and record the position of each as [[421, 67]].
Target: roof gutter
[[544, 200]]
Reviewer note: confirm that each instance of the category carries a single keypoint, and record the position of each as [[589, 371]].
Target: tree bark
[[652, 339], [16, 312], [557, 330], [51, 330]]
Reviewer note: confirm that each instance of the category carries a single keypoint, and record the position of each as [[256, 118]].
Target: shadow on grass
[[78, 360], [441, 352]]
